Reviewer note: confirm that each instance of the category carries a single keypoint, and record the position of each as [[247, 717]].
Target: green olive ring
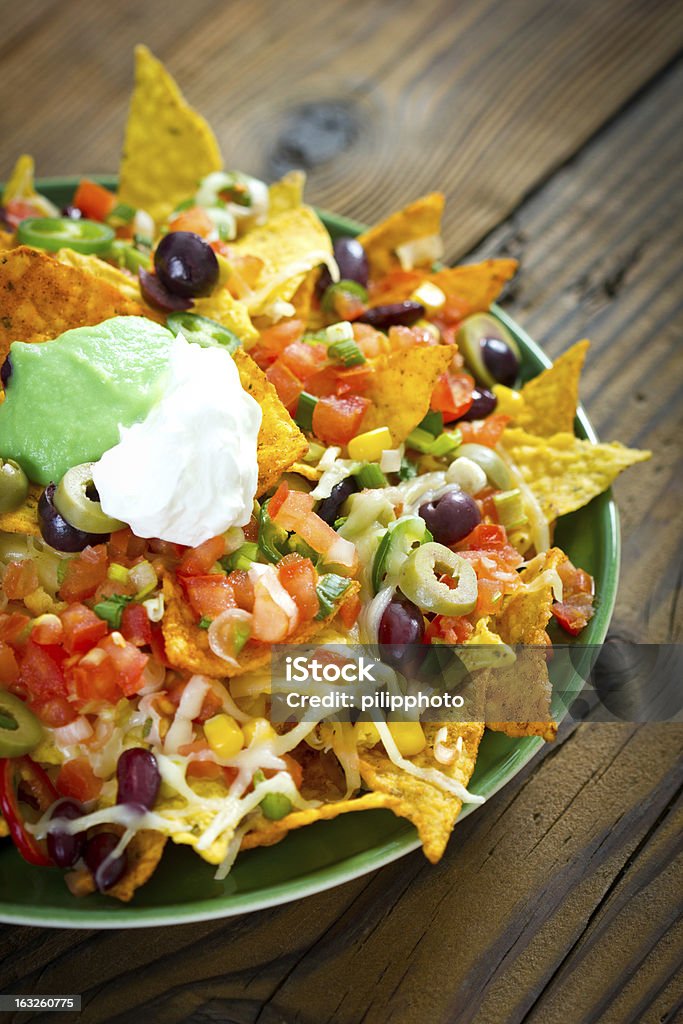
[[73, 504], [20, 730], [13, 485], [417, 580]]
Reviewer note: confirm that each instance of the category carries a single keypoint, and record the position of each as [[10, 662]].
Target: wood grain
[[380, 102], [559, 900]]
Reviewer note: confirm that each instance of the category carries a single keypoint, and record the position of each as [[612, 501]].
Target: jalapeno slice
[[417, 580], [203, 331], [21, 781], [81, 511], [53, 233], [20, 730], [395, 546]]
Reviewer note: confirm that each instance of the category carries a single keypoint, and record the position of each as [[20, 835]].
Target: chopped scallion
[[111, 609], [370, 475], [304, 410], [346, 352], [510, 509], [329, 589], [204, 622], [433, 422]]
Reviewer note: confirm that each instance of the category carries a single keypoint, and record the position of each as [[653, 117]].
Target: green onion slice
[[400, 538], [418, 581], [203, 331]]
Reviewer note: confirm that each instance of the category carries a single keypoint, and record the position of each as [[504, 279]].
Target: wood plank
[[481, 100]]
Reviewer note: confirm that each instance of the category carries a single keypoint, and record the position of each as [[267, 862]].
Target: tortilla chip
[[420, 219], [287, 193], [549, 401], [168, 146], [433, 811], [289, 245], [523, 620], [24, 519], [564, 472], [302, 299], [20, 184], [7, 240], [476, 285], [41, 298], [126, 284], [267, 833], [187, 646], [143, 853], [224, 308], [401, 388], [280, 442]]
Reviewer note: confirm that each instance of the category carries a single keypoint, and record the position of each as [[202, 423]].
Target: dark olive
[[451, 517], [57, 532], [395, 314], [185, 264]]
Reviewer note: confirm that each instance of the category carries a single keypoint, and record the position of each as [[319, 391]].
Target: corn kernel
[[343, 331], [409, 737], [509, 401], [224, 735], [429, 296], [258, 730], [430, 328], [370, 445], [365, 734]]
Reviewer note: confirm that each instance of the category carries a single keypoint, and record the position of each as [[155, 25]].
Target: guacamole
[[67, 398]]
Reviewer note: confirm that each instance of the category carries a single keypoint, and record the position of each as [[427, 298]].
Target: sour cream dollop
[[188, 471]]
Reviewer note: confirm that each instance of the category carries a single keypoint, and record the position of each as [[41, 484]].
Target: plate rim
[[365, 861]]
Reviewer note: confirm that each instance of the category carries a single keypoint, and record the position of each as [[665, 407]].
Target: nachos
[[221, 430]]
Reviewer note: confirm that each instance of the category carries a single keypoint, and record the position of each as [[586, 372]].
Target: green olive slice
[[490, 461], [20, 730], [418, 581], [73, 504], [13, 485], [471, 333]]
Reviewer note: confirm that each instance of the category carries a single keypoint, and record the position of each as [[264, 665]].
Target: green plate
[[328, 853]]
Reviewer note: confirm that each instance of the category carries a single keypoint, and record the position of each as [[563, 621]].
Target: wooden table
[[554, 129]]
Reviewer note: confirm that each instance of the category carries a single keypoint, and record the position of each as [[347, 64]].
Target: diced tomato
[[209, 595], [302, 359], [286, 384], [296, 513], [194, 219], [575, 610], [17, 210], [54, 712], [200, 560], [41, 671], [299, 578], [47, 630], [82, 628], [9, 667], [93, 200], [354, 381], [370, 341], [275, 339], [346, 305], [242, 588], [20, 579], [325, 382], [158, 646], [486, 537], [211, 705], [294, 769], [489, 596], [203, 769], [84, 573], [349, 610], [135, 625], [270, 621], [337, 420], [129, 663], [407, 337], [13, 627], [395, 286], [77, 780], [487, 432], [94, 678], [124, 546], [279, 498], [450, 629], [452, 395]]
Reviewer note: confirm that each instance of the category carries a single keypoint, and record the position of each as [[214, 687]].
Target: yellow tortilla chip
[[21, 185], [526, 685], [126, 283], [432, 810], [280, 442], [187, 646], [564, 472], [289, 245], [476, 285], [549, 401], [401, 388], [168, 146], [420, 219], [143, 853], [24, 519], [40, 298], [287, 193]]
